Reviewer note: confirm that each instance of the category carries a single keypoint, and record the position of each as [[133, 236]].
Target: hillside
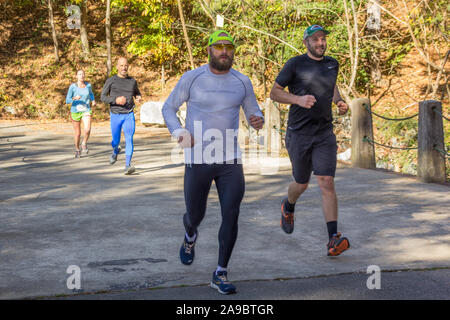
[[35, 85]]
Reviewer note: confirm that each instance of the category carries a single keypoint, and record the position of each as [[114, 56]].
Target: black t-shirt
[[116, 87], [305, 76]]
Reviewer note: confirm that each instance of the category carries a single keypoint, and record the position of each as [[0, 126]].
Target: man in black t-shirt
[[310, 141]]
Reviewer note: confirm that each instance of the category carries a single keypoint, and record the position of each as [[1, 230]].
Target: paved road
[[393, 285], [124, 232]]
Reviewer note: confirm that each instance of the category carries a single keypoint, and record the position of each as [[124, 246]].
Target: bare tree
[[353, 41], [52, 25], [438, 77], [373, 27], [186, 37], [108, 37], [83, 29], [428, 35]]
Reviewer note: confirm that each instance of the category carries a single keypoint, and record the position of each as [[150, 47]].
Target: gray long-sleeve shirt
[[116, 87], [213, 103]]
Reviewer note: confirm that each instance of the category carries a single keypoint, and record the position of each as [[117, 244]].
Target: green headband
[[214, 37]]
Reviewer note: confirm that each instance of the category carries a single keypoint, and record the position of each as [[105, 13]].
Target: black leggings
[[230, 183]]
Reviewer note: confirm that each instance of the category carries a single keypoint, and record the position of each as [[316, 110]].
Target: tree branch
[[186, 36], [207, 12], [438, 79], [416, 42], [355, 60]]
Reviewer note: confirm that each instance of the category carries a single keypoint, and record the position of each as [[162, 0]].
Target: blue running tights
[[128, 123]]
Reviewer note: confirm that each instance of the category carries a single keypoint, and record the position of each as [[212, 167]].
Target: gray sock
[[219, 268], [191, 239]]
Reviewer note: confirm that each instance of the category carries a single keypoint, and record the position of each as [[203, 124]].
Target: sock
[[290, 207], [127, 161], [332, 228], [191, 239], [219, 268]]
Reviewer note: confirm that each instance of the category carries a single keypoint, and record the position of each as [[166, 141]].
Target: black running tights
[[230, 184]]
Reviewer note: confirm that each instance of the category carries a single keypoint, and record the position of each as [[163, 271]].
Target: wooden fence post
[[430, 163], [272, 126], [243, 136], [267, 121], [363, 153]]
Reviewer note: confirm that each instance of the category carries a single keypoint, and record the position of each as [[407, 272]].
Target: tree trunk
[[186, 37], [163, 78], [262, 66], [83, 30], [108, 37], [374, 29], [52, 25], [438, 78]]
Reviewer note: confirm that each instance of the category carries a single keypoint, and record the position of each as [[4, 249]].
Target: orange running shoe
[[337, 245], [287, 218]]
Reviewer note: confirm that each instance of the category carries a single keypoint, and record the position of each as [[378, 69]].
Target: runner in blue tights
[[119, 91]]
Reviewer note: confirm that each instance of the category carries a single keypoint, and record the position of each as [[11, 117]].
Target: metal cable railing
[[386, 118], [367, 139]]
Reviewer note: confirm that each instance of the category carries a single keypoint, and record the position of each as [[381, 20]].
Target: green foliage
[[31, 111], [3, 99], [23, 3], [150, 30], [404, 132], [113, 70], [268, 34]]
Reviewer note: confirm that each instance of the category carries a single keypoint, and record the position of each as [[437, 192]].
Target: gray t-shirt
[[213, 103]]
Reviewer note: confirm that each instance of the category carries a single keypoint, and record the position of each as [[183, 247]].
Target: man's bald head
[[122, 67], [122, 59]]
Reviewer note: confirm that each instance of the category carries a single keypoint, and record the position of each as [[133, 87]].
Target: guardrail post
[[430, 163], [272, 125], [244, 134], [363, 153]]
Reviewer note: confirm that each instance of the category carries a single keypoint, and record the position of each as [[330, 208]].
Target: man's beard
[[314, 52], [221, 66]]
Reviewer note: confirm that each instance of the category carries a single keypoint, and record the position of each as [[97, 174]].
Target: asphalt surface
[[124, 232], [393, 285]]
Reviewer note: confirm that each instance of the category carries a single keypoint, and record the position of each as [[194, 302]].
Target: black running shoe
[[220, 282], [187, 251], [287, 218]]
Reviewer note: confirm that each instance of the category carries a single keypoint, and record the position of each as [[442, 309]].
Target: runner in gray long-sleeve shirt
[[214, 94], [213, 104]]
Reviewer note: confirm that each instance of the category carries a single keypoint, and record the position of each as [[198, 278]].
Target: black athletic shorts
[[311, 154]]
